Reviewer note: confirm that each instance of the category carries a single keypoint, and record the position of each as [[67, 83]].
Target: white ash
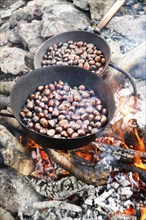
[[95, 202]]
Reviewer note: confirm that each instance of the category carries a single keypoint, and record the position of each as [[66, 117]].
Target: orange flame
[[143, 213], [139, 163], [141, 146]]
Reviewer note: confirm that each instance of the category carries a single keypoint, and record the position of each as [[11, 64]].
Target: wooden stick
[[110, 14]]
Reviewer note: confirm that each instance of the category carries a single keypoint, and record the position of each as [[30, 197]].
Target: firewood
[[128, 168], [57, 205], [13, 154], [89, 175], [119, 151], [6, 87], [59, 189], [12, 122]]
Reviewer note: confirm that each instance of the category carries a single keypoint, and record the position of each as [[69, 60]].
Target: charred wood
[[57, 205], [91, 175], [13, 153], [119, 151], [60, 189], [129, 168]]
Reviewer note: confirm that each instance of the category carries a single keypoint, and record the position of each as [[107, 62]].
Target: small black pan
[[85, 36], [74, 76]]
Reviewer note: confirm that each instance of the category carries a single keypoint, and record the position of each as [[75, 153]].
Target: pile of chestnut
[[61, 111]]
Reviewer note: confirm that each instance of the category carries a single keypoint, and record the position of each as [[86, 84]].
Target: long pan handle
[[127, 75], [108, 16]]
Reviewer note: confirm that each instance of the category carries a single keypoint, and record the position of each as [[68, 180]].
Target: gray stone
[[4, 33], [47, 3], [16, 194], [5, 215], [29, 60], [83, 4], [19, 15], [30, 34], [34, 7], [132, 27], [12, 60], [62, 17], [17, 5], [30, 12], [14, 36], [5, 13], [99, 8]]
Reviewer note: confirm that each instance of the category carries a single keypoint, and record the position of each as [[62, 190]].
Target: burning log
[[120, 154], [89, 175], [6, 87], [60, 189], [119, 151], [13, 154]]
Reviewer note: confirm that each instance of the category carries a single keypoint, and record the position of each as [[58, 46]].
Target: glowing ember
[[143, 213], [129, 211]]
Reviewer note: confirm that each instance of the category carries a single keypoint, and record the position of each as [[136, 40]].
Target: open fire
[[123, 185], [105, 180], [110, 180]]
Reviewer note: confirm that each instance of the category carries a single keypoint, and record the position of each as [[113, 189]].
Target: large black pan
[[74, 76]]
